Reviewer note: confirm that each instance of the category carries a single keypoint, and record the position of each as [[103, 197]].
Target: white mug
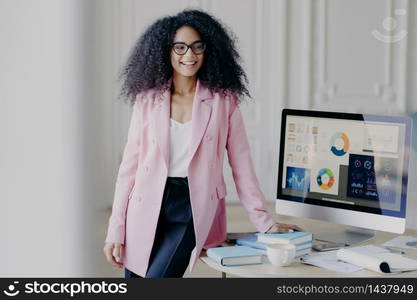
[[280, 254]]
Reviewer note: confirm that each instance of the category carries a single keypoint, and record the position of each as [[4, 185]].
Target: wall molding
[[391, 92]]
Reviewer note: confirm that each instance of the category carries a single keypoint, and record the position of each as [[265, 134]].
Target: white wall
[[40, 129], [58, 96]]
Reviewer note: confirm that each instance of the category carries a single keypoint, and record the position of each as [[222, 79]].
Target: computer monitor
[[345, 168]]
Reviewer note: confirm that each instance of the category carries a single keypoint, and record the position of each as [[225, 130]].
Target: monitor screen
[[351, 161]]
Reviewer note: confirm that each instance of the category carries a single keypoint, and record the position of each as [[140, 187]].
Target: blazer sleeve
[[243, 172], [125, 180]]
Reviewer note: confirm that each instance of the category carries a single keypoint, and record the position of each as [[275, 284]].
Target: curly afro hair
[[148, 65]]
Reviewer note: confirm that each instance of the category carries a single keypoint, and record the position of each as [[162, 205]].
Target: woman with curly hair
[[184, 81]]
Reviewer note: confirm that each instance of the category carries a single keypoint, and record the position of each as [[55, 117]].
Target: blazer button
[[209, 137], [147, 169]]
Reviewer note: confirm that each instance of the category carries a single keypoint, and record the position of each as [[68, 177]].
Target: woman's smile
[[188, 63]]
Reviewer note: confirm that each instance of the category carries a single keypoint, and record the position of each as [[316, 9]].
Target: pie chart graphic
[[325, 179], [335, 147]]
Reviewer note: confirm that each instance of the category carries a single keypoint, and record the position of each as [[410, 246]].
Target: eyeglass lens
[[197, 47]]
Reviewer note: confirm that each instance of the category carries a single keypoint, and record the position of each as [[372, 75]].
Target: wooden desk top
[[298, 269]]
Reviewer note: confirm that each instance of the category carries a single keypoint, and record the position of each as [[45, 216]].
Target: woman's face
[[189, 63]]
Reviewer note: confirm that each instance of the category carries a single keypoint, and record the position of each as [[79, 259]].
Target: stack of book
[[302, 241], [250, 249]]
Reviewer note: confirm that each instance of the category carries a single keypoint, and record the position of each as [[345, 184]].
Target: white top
[[180, 135]]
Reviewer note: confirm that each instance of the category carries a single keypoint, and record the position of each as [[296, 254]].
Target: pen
[[394, 250]]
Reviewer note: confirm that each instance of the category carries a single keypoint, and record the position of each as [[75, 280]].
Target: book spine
[[303, 245], [302, 252], [214, 257], [256, 245], [267, 239]]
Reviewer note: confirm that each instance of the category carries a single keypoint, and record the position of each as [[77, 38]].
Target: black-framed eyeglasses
[[181, 48]]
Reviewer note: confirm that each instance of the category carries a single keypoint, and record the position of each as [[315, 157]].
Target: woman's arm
[[125, 180], [245, 178], [244, 175]]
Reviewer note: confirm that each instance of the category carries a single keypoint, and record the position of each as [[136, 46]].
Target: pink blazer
[[217, 125]]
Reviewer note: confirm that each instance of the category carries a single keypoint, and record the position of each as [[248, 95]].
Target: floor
[[237, 221]]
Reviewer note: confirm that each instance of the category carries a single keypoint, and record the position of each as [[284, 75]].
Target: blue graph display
[[298, 178]]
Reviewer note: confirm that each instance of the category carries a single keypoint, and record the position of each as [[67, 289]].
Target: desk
[[298, 269]]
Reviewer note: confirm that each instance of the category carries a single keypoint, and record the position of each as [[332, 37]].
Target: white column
[[40, 129]]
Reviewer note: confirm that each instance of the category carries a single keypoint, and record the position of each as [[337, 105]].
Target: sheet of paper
[[364, 256], [370, 250], [401, 242], [328, 260]]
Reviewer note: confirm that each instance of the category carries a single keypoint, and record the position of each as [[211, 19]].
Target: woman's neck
[[183, 85]]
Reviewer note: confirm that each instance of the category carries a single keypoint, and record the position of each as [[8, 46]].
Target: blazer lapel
[[201, 112], [161, 115], [160, 124]]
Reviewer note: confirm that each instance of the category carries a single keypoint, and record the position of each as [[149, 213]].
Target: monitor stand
[[350, 236]]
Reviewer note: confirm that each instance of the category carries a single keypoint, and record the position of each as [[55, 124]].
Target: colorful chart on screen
[[339, 144], [325, 179]]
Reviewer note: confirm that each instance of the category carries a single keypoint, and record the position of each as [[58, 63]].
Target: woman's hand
[[281, 227], [113, 253]]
